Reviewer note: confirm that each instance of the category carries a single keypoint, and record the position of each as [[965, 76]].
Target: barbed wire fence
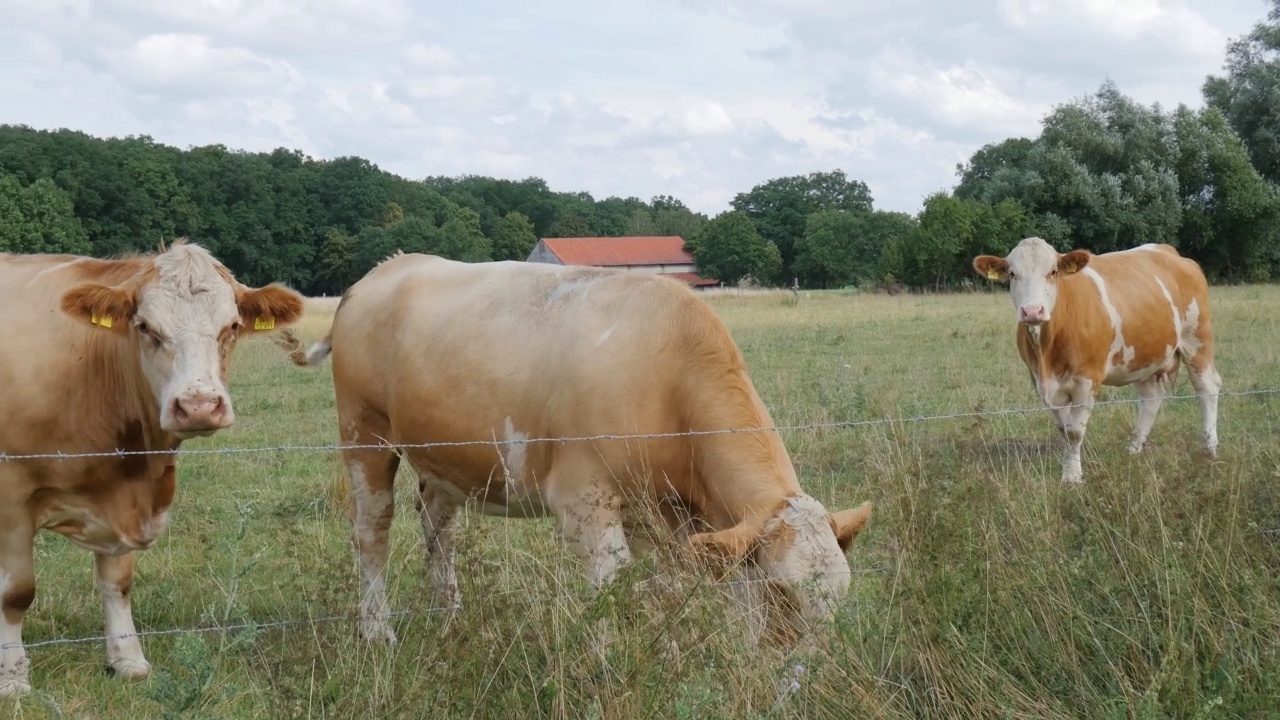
[[507, 442], [423, 612]]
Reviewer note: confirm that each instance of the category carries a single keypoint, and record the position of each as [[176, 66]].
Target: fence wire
[[349, 617], [287, 622], [388, 445]]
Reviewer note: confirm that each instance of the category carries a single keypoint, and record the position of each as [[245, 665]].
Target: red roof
[[599, 251], [692, 278]]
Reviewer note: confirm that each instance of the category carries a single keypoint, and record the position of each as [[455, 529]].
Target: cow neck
[[1041, 343], [744, 476], [126, 403]]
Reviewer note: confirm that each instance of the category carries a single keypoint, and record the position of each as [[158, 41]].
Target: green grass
[[986, 588]]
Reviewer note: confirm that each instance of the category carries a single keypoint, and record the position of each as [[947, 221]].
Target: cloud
[[190, 64], [701, 99], [277, 24]]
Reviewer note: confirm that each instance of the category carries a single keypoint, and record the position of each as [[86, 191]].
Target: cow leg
[[591, 524], [1207, 384], [17, 592], [1074, 419], [371, 477], [1150, 398], [439, 513], [114, 577]]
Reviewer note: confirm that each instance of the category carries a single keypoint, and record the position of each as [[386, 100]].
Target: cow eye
[[235, 326], [144, 328]]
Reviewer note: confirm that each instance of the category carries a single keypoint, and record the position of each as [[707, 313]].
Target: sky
[[700, 99]]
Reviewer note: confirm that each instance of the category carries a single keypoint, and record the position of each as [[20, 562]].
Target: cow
[[102, 356], [1119, 318], [500, 356]]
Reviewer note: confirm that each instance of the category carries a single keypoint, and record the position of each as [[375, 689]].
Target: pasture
[[983, 587]]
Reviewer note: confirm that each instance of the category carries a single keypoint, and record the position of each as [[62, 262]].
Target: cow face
[[1032, 269], [799, 551], [182, 315]]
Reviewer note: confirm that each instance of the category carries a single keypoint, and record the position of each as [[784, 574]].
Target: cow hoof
[[1073, 479], [12, 687], [1136, 448], [129, 670]]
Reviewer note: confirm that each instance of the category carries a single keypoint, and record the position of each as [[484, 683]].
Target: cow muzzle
[[199, 413], [1033, 314]]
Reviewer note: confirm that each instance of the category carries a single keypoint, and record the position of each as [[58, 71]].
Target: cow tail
[[319, 351], [310, 357]]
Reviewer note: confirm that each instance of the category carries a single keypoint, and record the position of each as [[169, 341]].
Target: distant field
[[985, 588]]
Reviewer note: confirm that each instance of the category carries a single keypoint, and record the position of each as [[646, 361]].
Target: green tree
[[780, 207], [1230, 213], [729, 248], [1247, 94], [514, 238], [337, 263], [39, 218], [573, 224]]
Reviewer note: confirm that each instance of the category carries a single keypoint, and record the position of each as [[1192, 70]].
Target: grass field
[[985, 588]]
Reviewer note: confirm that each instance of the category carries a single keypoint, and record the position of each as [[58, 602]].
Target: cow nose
[[1031, 314], [200, 412]]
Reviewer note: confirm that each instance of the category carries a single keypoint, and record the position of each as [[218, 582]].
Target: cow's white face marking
[[806, 559], [1033, 280], [183, 319]]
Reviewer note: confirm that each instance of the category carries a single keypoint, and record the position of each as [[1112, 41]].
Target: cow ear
[[1073, 262], [102, 305], [268, 308], [846, 524], [992, 267], [726, 548]]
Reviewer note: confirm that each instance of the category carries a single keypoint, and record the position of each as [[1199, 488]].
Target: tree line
[[1104, 173]]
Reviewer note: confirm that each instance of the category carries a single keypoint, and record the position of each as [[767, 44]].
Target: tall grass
[[984, 587]]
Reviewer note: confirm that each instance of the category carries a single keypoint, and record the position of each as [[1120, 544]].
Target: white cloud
[[965, 95], [292, 24], [183, 63], [701, 99], [432, 58]]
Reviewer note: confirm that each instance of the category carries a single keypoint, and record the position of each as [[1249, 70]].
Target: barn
[[659, 254]]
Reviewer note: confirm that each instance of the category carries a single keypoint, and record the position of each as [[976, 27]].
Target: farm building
[[666, 255]]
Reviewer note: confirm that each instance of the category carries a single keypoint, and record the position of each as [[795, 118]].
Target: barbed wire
[[352, 618], [286, 622], [835, 424]]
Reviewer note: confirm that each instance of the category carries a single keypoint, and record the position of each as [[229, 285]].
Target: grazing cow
[[1120, 318], [105, 356], [428, 350]]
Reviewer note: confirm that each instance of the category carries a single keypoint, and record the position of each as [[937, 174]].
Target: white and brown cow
[[1120, 318], [427, 350], [102, 356]]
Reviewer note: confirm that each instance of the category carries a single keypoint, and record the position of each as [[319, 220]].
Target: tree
[[1230, 214], [781, 207], [337, 270], [1247, 94], [38, 218], [571, 225], [514, 238], [729, 248]]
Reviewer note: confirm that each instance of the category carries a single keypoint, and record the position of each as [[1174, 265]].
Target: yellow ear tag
[[993, 275], [103, 320], [264, 323]]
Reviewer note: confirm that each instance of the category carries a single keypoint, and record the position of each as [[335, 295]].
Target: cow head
[[799, 551], [1032, 269], [182, 312]]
